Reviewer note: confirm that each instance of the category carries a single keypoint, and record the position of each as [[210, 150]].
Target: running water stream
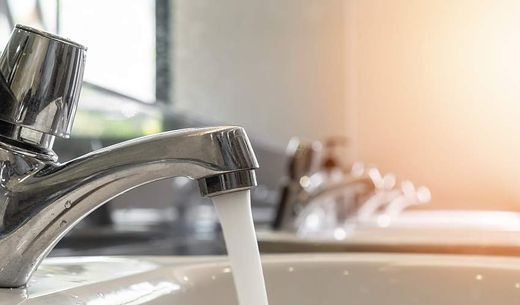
[[234, 212]]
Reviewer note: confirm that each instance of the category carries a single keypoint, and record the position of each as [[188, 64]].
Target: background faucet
[[303, 158], [313, 173], [42, 199], [319, 194]]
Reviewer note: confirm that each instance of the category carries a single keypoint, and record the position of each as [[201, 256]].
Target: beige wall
[[435, 86], [427, 89], [274, 67]]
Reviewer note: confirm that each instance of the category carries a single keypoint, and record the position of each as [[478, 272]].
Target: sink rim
[[172, 269]]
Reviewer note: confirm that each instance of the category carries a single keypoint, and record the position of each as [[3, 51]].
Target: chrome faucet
[[42, 199], [306, 183]]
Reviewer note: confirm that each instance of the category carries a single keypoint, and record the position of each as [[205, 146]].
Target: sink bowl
[[331, 279]]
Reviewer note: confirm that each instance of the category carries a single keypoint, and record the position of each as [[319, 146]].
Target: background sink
[[361, 279], [428, 241], [421, 231]]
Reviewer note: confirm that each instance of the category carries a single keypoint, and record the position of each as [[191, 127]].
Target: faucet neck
[[41, 201]]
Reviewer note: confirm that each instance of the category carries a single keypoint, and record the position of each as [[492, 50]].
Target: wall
[[274, 67], [426, 89], [435, 89]]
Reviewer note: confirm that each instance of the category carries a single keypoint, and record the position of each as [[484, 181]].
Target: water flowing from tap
[[234, 211]]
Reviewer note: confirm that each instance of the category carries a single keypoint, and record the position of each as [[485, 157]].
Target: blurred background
[[426, 90]]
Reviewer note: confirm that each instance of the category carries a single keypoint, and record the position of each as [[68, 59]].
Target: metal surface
[[40, 82], [219, 184], [303, 160], [300, 188], [41, 199]]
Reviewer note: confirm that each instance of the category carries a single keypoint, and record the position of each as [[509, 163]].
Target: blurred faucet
[[319, 194], [410, 196], [42, 199], [314, 173], [303, 158]]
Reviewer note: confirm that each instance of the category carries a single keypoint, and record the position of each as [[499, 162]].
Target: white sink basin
[[360, 279]]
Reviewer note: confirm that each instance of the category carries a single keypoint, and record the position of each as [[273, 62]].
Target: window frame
[[163, 48]]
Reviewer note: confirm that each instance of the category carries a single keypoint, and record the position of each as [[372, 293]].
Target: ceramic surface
[[334, 279], [453, 232]]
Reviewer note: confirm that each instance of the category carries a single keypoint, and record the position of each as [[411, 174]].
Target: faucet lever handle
[[43, 74]]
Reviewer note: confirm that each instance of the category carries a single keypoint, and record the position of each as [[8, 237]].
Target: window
[[121, 53], [120, 35]]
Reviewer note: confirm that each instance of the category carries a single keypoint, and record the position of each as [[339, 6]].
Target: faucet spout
[[41, 199]]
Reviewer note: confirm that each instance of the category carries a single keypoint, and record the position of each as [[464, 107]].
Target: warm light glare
[[437, 95]]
